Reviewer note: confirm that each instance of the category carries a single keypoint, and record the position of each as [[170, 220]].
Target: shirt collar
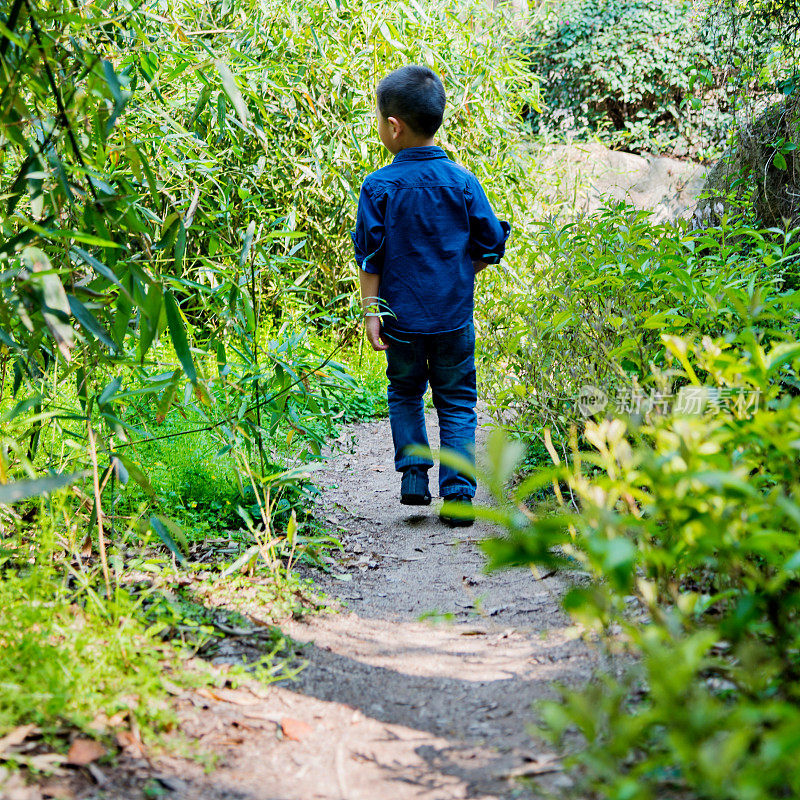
[[419, 153]]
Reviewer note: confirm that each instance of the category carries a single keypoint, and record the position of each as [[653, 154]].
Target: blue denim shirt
[[422, 220]]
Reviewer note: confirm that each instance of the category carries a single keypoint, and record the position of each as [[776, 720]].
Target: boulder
[[592, 176], [753, 172]]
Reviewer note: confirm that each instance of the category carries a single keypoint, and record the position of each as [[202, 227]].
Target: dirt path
[[390, 707]]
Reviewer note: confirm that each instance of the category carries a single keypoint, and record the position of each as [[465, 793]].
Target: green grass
[[68, 655]]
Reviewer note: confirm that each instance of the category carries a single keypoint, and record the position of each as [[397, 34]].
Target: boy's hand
[[372, 325]]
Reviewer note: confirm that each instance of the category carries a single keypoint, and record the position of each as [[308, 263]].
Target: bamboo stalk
[[96, 486]]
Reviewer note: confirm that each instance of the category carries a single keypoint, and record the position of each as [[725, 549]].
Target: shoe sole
[[457, 522], [415, 500]]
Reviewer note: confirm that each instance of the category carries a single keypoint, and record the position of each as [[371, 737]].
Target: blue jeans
[[447, 361]]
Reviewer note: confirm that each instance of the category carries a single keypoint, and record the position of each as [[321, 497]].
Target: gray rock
[[593, 176]]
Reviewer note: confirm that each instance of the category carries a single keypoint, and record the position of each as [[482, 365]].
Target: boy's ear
[[397, 126]]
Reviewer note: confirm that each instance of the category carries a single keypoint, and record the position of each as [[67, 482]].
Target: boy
[[423, 231]]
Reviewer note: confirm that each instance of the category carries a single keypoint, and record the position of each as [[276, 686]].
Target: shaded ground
[[388, 706]]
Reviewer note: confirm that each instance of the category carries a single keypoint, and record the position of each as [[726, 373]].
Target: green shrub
[[591, 304], [627, 69], [684, 516], [696, 517]]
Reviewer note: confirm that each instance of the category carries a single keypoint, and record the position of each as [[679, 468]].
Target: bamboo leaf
[[90, 324], [160, 529], [99, 267], [55, 308], [244, 560], [248, 240], [180, 246], [111, 388], [232, 90], [136, 473], [177, 333], [22, 490]]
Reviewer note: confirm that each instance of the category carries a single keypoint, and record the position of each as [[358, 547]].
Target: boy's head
[[414, 96]]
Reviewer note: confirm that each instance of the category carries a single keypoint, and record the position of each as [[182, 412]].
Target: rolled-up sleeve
[[368, 237], [487, 233]]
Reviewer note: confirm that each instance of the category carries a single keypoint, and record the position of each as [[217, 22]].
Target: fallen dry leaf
[[84, 751], [16, 737], [295, 729], [129, 700], [118, 719], [537, 765], [99, 723], [171, 687], [208, 694], [237, 697], [130, 744], [45, 762], [14, 788]]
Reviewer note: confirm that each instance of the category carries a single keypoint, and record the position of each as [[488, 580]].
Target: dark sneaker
[[457, 511], [414, 488]]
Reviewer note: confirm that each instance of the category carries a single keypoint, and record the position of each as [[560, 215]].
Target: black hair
[[415, 95]]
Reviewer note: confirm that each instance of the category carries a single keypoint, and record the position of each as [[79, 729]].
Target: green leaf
[[222, 360], [245, 560], [120, 470], [680, 348], [177, 333], [248, 239], [21, 490], [167, 398], [180, 245], [80, 386], [65, 233], [109, 391], [781, 354], [232, 90], [721, 481], [99, 267], [122, 316], [112, 81], [56, 305], [90, 324], [149, 318], [160, 529], [531, 484], [779, 160], [151, 180], [504, 456], [136, 473]]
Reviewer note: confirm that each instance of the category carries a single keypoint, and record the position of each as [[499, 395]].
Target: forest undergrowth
[[179, 339]]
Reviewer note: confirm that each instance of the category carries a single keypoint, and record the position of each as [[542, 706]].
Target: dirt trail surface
[[390, 707]]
